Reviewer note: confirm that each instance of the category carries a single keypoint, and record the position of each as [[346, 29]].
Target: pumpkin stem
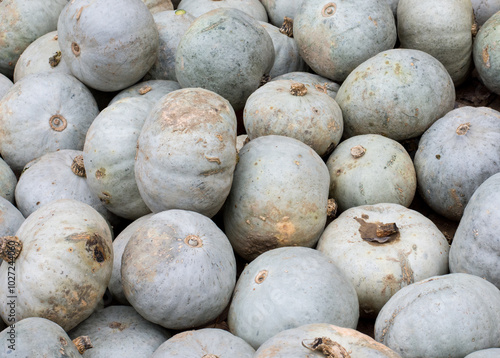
[[463, 128], [298, 89], [377, 232], [82, 343], [331, 208], [287, 27], [475, 25], [77, 167], [58, 123], [193, 241], [145, 89], [328, 347], [75, 48], [10, 248], [266, 78], [261, 276], [358, 151], [54, 60], [179, 12]]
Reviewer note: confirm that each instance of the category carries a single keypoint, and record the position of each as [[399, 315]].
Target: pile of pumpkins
[[242, 178]]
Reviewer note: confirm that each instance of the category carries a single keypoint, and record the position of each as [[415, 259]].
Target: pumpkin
[[466, 141], [320, 83], [316, 340], [382, 248], [178, 269], [171, 26], [65, 244], [485, 54], [151, 90], [41, 55], [225, 51], [187, 152], [288, 287], [156, 6], [329, 42], [109, 156], [206, 342], [5, 85], [279, 196], [199, 7], [484, 9], [8, 181], [277, 10], [121, 332], [475, 248], [443, 29], [108, 45], [10, 218], [485, 353], [55, 110], [295, 110], [442, 316], [21, 23], [397, 93], [40, 337], [371, 169]]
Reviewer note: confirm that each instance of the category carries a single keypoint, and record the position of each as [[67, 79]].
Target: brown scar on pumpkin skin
[[118, 325], [486, 57], [94, 244]]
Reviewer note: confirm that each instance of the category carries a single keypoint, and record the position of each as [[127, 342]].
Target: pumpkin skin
[[465, 141], [178, 269], [8, 181], [397, 93], [442, 29], [289, 343], [295, 110], [206, 342], [475, 248], [278, 9], [322, 84], [338, 46], [5, 85], [230, 49], [485, 353], [21, 23], [187, 152], [10, 218], [152, 90], [38, 337], [371, 169], [109, 156], [485, 54], [443, 316], [56, 111], [288, 287], [258, 215], [119, 331], [484, 9], [199, 7], [108, 45], [41, 55], [156, 6], [67, 245], [379, 269]]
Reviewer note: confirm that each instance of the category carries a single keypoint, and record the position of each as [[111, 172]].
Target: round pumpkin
[[8, 181], [486, 55], [484, 9], [475, 248], [10, 218], [199, 7], [152, 90], [442, 316], [288, 287], [279, 196], [67, 246], [108, 45]]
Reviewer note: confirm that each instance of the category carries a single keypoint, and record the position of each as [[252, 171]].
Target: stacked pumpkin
[[130, 215]]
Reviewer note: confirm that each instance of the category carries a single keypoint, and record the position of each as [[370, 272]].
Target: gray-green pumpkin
[[187, 152], [383, 248], [397, 93], [335, 37], [225, 51], [108, 45], [277, 10], [279, 196], [120, 332], [253, 8], [486, 55], [206, 342], [288, 287], [8, 181], [475, 248], [456, 155], [178, 269], [442, 316], [443, 29], [371, 169], [295, 110]]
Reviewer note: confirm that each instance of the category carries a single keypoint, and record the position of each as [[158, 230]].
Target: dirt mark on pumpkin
[[94, 244]]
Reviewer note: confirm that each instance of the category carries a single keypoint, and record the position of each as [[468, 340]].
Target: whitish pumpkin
[[10, 218], [371, 169], [55, 110], [206, 342], [151, 90], [66, 245], [187, 152], [485, 53], [199, 7], [383, 248], [225, 51], [316, 340], [279, 196], [329, 42], [475, 248], [443, 316], [108, 45], [397, 93], [178, 269], [120, 332], [8, 181], [456, 155], [288, 287], [443, 29]]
